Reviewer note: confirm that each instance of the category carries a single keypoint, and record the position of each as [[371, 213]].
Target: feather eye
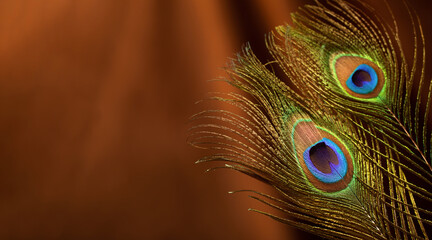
[[325, 161], [358, 76]]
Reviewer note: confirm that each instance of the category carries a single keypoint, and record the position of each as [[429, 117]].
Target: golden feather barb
[[345, 137]]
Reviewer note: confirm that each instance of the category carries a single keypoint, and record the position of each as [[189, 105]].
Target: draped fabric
[[95, 97]]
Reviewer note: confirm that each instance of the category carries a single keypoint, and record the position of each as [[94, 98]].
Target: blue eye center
[[321, 156], [360, 77], [363, 80], [326, 161]]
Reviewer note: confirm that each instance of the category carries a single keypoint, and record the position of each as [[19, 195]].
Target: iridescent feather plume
[[344, 135]]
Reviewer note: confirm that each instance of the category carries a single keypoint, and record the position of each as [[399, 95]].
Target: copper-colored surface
[[94, 101]]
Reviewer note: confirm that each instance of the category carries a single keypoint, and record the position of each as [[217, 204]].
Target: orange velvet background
[[95, 97]]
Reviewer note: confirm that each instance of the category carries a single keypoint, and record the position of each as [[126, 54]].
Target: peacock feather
[[343, 134]]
